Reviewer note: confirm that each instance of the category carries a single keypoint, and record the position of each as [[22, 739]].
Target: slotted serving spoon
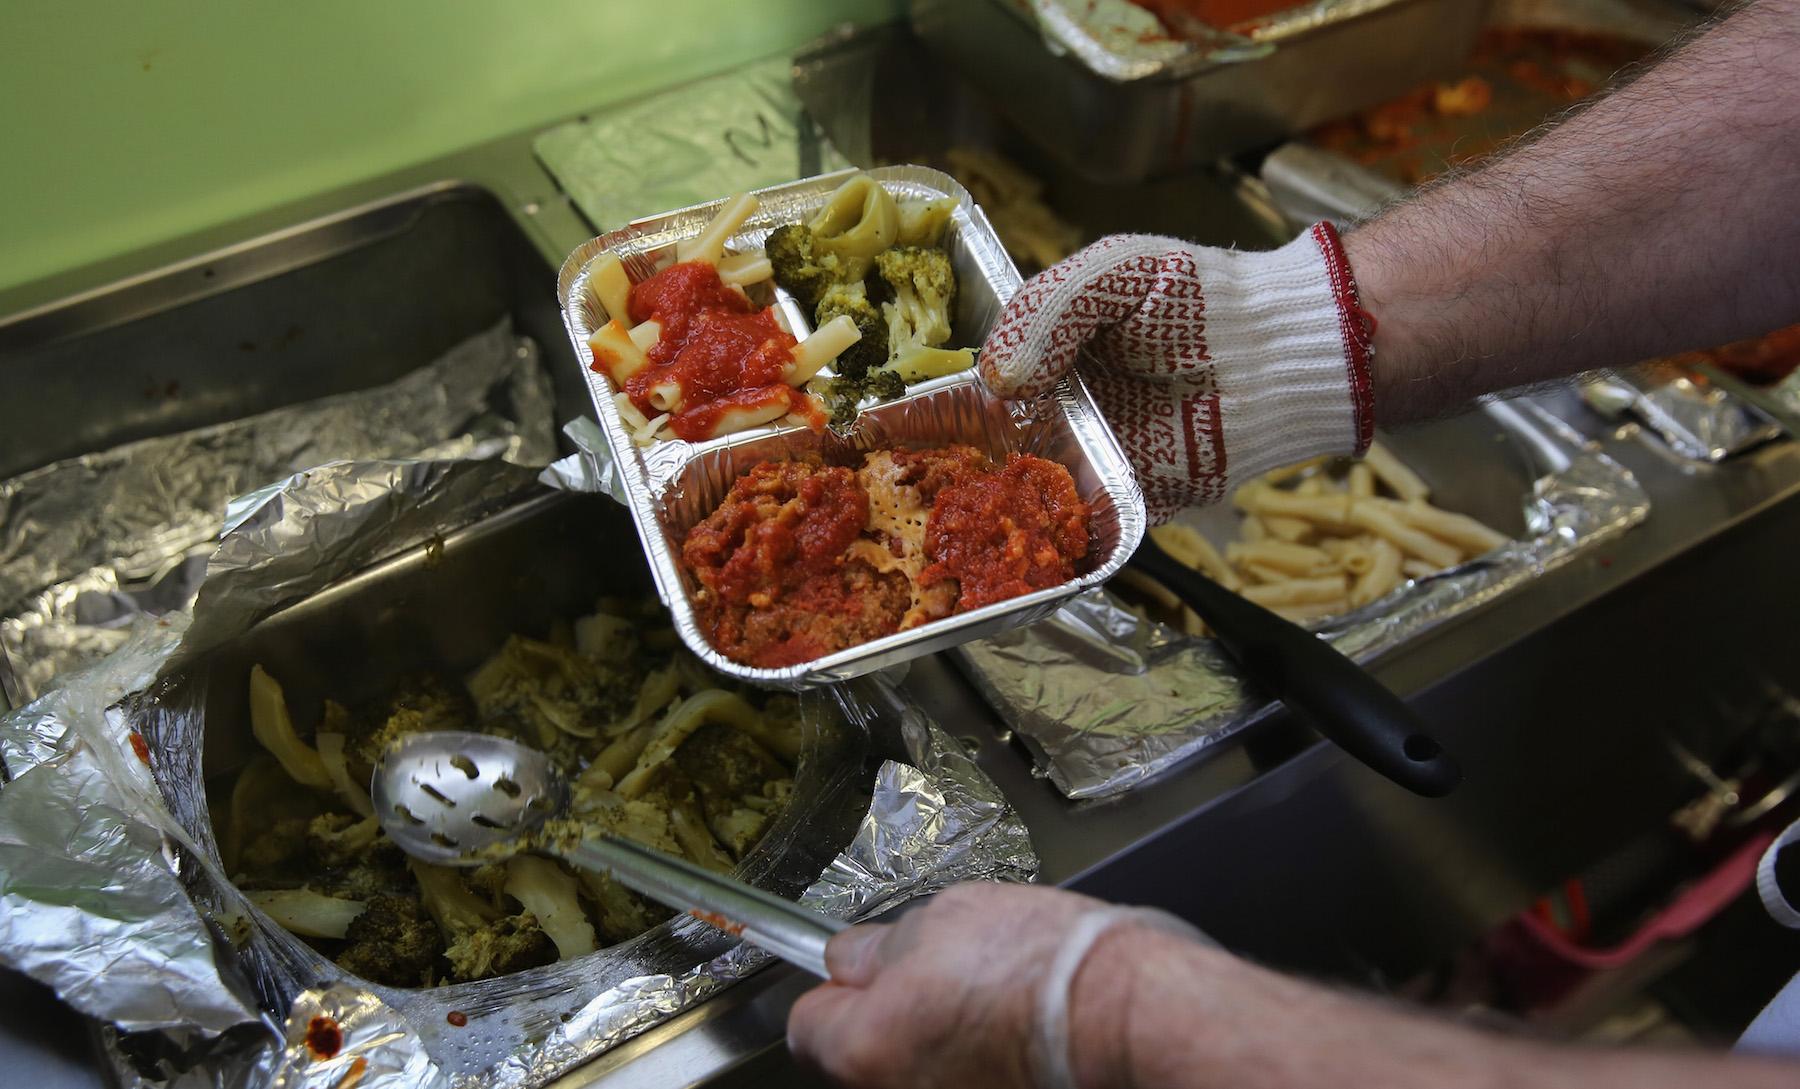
[[466, 799]]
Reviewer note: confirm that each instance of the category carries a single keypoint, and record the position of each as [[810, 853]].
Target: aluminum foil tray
[[672, 485]]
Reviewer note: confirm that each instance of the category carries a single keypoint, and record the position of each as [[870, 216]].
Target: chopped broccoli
[[924, 287], [275, 850], [339, 839], [853, 300], [510, 944], [554, 690], [423, 703], [800, 267], [394, 942], [729, 771], [885, 384]]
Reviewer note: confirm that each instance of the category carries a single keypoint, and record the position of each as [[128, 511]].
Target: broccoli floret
[[554, 690], [800, 266], [510, 944], [852, 300], [885, 385], [270, 858], [394, 942], [339, 839], [730, 773], [924, 287], [423, 703]]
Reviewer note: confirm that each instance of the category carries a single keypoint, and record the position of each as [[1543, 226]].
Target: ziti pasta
[[1318, 539]]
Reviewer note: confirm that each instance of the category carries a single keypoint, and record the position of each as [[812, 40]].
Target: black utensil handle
[[1329, 691]]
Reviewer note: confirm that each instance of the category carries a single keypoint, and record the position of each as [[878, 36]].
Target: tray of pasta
[[822, 485]]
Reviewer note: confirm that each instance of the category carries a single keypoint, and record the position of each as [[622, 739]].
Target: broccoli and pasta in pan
[[692, 356], [655, 748]]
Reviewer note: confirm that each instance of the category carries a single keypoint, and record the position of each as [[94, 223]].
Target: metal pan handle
[[1327, 690], [763, 919]]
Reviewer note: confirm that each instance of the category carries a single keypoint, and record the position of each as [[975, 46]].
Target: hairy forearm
[[1152, 1011], [1661, 218]]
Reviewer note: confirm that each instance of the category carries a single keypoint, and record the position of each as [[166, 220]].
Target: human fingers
[[853, 956]]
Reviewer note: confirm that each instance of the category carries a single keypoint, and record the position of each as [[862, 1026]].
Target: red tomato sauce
[[715, 345], [784, 582], [1004, 533], [778, 586]]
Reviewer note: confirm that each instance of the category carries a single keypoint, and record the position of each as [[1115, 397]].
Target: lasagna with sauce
[[802, 559]]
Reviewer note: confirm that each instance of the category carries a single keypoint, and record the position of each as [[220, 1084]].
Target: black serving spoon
[[1326, 690]]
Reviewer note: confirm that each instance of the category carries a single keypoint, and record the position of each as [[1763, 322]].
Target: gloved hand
[[1212, 366], [979, 986]]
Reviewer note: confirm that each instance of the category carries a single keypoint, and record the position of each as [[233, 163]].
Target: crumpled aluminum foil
[[1698, 422], [92, 546], [83, 809], [1106, 701]]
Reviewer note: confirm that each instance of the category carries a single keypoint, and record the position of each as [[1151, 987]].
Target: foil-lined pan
[[1699, 422], [1106, 701], [1101, 85], [114, 892], [96, 545], [669, 486]]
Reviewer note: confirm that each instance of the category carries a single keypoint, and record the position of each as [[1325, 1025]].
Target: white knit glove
[[1213, 366]]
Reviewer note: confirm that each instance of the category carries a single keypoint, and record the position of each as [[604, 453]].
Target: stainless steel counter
[[1558, 700]]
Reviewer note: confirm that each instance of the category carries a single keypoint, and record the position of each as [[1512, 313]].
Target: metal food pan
[[671, 485], [1117, 117]]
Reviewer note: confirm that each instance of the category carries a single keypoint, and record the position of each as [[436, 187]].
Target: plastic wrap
[[671, 485], [105, 787], [1106, 701], [93, 545]]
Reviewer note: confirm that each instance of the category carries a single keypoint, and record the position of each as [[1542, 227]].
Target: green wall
[[128, 122]]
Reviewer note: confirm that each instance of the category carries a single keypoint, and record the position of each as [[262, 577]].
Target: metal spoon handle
[[782, 927]]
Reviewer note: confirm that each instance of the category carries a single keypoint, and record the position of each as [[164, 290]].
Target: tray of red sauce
[[794, 555]]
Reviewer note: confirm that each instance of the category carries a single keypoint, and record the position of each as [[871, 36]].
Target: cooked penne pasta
[[665, 396], [919, 363], [1293, 559], [1328, 511], [646, 334], [1353, 554], [615, 354], [645, 434], [1297, 591], [1296, 530], [822, 347], [751, 411], [709, 245], [606, 276], [1400, 480], [1316, 540], [1314, 610], [1382, 575], [1464, 532], [1192, 548], [628, 412], [1377, 520], [743, 269]]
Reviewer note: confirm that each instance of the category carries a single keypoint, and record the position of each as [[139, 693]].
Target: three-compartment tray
[[671, 485]]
